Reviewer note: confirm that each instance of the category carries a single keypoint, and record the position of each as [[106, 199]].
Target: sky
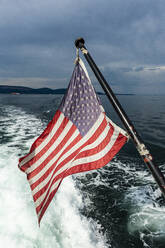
[[125, 38]]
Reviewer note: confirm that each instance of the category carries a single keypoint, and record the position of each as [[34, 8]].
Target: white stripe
[[87, 75], [53, 188], [91, 158], [122, 131], [74, 148], [45, 142], [97, 156], [80, 161], [51, 148], [85, 70], [99, 139], [85, 138], [54, 159]]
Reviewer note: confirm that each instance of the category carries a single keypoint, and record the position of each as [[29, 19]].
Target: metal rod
[[143, 151]]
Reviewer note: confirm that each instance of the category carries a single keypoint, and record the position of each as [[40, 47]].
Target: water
[[118, 206]]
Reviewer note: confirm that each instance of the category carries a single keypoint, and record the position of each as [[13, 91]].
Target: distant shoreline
[[17, 90]]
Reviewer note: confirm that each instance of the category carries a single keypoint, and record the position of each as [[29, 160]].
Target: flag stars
[[81, 105]]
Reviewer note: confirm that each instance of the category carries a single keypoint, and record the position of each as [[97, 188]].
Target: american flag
[[79, 138]]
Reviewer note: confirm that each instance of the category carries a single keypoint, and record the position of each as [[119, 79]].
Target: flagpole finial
[[79, 43]]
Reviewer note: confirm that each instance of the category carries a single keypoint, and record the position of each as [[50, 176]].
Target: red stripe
[[91, 140], [48, 202], [99, 147], [82, 168], [53, 139], [102, 161], [35, 184], [41, 191], [44, 150], [69, 158], [53, 154], [60, 176], [44, 135]]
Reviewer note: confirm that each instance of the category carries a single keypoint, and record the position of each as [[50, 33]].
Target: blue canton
[[80, 104]]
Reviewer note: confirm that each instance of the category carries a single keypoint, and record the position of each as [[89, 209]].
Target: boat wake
[[63, 225]]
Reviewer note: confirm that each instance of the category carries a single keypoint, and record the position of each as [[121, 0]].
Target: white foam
[[145, 215], [62, 226]]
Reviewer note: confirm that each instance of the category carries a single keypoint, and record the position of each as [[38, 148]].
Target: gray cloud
[[124, 37]]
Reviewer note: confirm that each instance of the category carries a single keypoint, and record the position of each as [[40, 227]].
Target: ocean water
[[117, 206]]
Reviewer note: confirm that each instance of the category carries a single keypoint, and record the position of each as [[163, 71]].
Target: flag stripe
[[47, 150], [44, 184], [79, 138], [76, 147], [88, 165], [46, 180], [67, 165], [92, 135], [98, 144], [53, 154], [43, 174], [102, 161], [98, 155], [44, 139], [62, 125], [41, 213]]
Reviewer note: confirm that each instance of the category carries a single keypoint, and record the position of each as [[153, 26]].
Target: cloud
[[154, 68], [126, 39]]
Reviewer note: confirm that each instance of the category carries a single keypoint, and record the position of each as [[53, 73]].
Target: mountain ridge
[[8, 89]]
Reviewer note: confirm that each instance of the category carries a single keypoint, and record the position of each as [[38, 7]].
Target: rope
[[77, 60]]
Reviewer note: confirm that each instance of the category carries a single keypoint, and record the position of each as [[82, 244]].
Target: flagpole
[[143, 151]]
